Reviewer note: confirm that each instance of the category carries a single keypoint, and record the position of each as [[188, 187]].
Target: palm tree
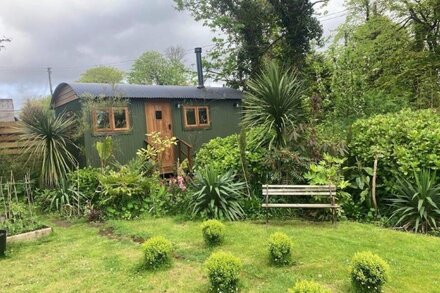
[[48, 139], [273, 103]]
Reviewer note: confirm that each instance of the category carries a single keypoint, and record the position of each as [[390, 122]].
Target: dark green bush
[[280, 247], [223, 272], [157, 252], [308, 287], [368, 272], [216, 195], [213, 232]]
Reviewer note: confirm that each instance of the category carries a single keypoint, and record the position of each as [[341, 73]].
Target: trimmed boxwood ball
[[157, 251], [369, 272], [213, 232], [280, 247], [308, 287], [223, 272]]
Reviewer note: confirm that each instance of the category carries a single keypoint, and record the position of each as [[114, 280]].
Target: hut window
[[196, 116], [111, 119]]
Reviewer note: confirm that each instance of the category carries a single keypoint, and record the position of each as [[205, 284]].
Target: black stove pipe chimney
[[198, 52]]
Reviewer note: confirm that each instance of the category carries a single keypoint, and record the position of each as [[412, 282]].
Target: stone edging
[[29, 235]]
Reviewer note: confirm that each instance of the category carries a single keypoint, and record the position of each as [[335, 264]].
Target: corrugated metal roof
[[151, 91]]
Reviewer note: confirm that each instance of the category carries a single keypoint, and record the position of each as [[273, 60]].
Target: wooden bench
[[300, 190]]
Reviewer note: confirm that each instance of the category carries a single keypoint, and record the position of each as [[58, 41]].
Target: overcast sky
[[72, 35]]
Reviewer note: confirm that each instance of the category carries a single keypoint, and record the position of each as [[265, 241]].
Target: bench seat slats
[[299, 205], [300, 186], [311, 193]]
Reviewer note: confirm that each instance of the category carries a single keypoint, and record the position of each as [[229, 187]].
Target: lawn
[[106, 258]]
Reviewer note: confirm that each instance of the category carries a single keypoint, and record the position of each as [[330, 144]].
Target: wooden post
[[333, 204], [267, 203], [373, 186]]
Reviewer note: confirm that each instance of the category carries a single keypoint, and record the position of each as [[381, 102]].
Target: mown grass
[[79, 258]]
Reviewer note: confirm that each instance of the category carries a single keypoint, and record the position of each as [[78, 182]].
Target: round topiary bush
[[308, 287], [157, 251], [369, 272], [223, 271], [213, 232], [280, 249]]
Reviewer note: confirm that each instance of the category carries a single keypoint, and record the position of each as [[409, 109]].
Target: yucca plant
[[273, 102], [48, 140], [217, 195], [416, 206]]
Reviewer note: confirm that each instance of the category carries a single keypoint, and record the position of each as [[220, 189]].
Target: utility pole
[[49, 72]]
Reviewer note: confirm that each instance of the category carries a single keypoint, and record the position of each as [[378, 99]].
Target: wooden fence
[[10, 139]]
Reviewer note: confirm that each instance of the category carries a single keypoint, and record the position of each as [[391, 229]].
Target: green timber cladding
[[223, 105]]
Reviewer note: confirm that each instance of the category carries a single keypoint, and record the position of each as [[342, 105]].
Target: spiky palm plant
[[273, 102], [48, 140], [416, 206], [217, 195]]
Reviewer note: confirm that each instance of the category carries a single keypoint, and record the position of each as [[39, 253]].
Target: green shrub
[[280, 247], [213, 232], [157, 251], [308, 287], [368, 272], [86, 180], [223, 153], [223, 272], [406, 141], [416, 206], [216, 195], [126, 193]]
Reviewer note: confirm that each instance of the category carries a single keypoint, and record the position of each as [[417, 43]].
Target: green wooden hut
[[127, 112]]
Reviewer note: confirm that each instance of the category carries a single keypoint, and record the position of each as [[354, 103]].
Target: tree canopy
[[102, 74], [154, 68], [250, 31]]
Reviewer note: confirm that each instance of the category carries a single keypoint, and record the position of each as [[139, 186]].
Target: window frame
[[111, 111], [198, 125]]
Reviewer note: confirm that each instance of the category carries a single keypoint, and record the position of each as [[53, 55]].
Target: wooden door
[[159, 119]]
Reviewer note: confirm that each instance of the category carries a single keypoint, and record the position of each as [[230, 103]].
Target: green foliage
[[280, 247], [86, 180], [249, 31], [48, 141], [213, 232], [102, 74], [105, 150], [157, 252], [368, 272], [223, 272], [406, 141], [416, 206], [327, 172], [308, 287], [223, 153], [153, 68], [273, 102], [125, 193], [66, 200], [216, 195]]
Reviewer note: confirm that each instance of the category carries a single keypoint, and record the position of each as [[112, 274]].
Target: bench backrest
[[299, 190]]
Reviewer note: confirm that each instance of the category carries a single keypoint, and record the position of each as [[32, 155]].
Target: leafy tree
[[154, 68], [102, 74], [251, 30]]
